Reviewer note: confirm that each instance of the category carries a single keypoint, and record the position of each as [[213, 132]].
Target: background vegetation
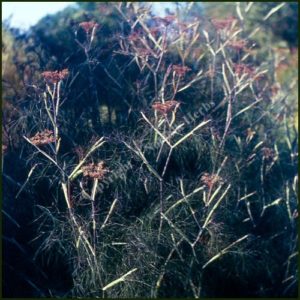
[[195, 199]]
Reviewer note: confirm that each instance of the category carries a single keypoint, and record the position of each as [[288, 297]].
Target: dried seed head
[[143, 52], [135, 35], [155, 31], [166, 21], [268, 153], [95, 171], [221, 24], [166, 107], [241, 69], [43, 138], [180, 70], [88, 26], [55, 76], [210, 179], [237, 45], [63, 74]]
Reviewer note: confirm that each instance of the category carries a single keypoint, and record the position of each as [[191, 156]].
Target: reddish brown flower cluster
[[221, 24], [155, 31], [88, 26], [164, 108], [43, 138], [241, 69], [268, 153], [180, 70], [238, 45], [96, 171], [143, 52], [210, 179], [166, 20], [134, 36], [55, 76]]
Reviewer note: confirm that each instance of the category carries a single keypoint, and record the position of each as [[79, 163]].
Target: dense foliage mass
[[148, 156]]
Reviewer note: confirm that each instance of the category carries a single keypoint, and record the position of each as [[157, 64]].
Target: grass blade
[[117, 281]]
